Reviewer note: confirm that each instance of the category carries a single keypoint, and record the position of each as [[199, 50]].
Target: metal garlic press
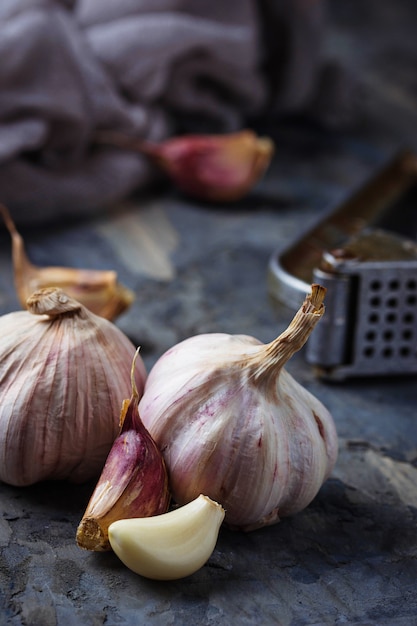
[[365, 253]]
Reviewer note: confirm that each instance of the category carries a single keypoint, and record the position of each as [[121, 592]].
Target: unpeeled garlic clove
[[133, 483], [218, 168], [98, 290], [169, 546]]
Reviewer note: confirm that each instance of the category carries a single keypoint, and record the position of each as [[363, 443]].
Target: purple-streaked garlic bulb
[[233, 424], [64, 373]]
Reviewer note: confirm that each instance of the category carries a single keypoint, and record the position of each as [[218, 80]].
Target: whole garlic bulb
[[64, 373], [233, 424]]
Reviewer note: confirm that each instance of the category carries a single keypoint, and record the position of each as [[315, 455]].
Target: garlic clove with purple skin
[[133, 483], [215, 168], [232, 423]]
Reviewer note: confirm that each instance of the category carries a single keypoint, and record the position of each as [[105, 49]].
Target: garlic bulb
[[133, 483], [63, 375], [233, 424]]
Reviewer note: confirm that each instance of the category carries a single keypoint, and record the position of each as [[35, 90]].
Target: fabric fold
[[72, 68]]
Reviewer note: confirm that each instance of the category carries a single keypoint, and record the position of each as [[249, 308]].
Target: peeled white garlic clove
[[172, 545], [133, 483], [232, 423], [64, 373]]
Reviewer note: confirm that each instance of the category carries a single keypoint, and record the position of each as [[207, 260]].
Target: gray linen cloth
[[146, 67]]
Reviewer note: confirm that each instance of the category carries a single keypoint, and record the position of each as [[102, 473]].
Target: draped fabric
[[152, 68]]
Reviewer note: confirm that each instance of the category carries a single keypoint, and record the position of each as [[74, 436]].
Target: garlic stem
[[52, 301], [127, 142], [281, 349], [172, 545], [134, 400]]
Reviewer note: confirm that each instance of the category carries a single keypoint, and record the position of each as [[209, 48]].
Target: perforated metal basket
[[365, 254]]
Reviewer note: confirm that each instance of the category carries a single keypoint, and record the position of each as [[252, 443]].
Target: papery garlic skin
[[98, 290], [169, 546], [231, 422], [63, 377]]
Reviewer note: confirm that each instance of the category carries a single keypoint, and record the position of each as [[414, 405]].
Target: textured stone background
[[350, 557]]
